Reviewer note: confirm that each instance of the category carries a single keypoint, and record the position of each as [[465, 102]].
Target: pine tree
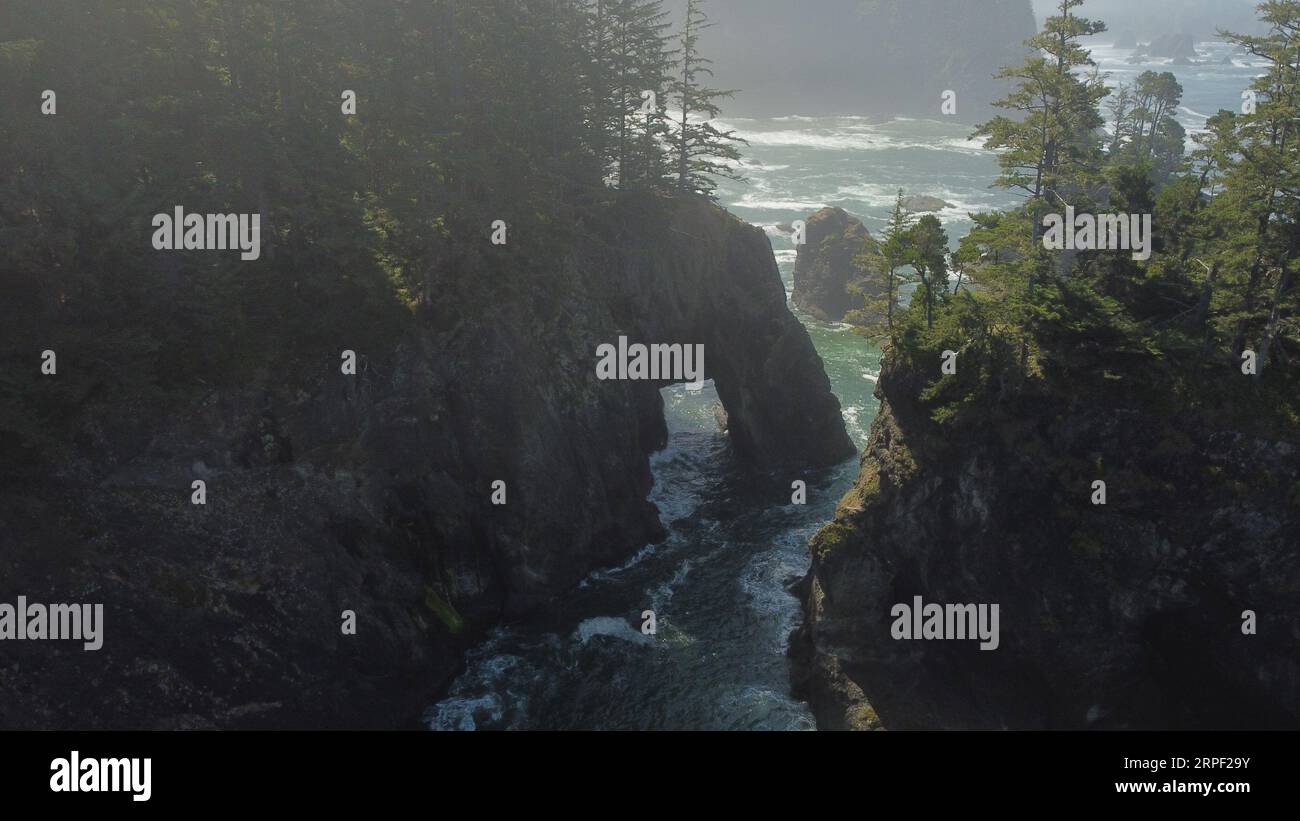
[[896, 249], [700, 150], [639, 62], [1264, 183], [1052, 150], [927, 244], [1146, 131], [1120, 105], [603, 114]]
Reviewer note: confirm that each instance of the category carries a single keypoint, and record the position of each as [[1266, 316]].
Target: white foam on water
[[606, 574], [661, 594], [950, 145], [749, 166], [475, 694], [972, 144], [763, 582], [753, 707], [611, 627], [686, 413], [959, 204], [460, 713], [874, 194], [853, 421], [809, 139], [674, 501], [861, 138], [753, 201]]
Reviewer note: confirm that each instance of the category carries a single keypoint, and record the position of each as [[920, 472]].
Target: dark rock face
[[1127, 614], [1174, 46], [828, 283], [717, 282], [372, 493]]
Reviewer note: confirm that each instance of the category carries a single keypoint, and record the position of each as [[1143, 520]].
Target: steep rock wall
[[372, 493], [829, 282], [1127, 614]]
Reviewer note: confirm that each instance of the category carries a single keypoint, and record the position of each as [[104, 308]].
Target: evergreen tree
[[1221, 278], [639, 62], [1263, 185], [700, 150], [896, 249], [1051, 150], [603, 115], [927, 245], [1120, 105], [1146, 131]]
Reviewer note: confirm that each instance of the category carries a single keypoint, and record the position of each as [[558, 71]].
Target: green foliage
[[1146, 131], [895, 251], [467, 113], [1036, 328], [443, 609], [1049, 148], [701, 152], [830, 539], [927, 245], [628, 45]]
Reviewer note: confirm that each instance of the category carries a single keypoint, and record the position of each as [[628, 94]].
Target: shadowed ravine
[[717, 586]]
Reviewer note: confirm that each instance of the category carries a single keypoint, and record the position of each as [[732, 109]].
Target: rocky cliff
[[829, 282], [328, 492], [1123, 614]]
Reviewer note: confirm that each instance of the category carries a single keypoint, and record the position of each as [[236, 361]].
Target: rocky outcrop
[[373, 493], [713, 279], [829, 279], [1171, 46], [1127, 614], [923, 202]]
